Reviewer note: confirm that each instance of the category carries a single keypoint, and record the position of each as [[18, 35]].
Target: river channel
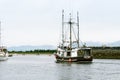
[[43, 67]]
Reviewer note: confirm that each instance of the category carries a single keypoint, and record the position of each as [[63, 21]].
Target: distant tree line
[[36, 51], [106, 47]]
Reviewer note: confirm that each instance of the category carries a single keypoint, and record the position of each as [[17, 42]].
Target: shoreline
[[97, 52], [96, 55], [17, 54]]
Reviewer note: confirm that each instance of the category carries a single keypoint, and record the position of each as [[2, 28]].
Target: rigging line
[[66, 32], [74, 33], [81, 42]]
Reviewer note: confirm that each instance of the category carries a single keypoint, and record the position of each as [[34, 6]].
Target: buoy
[[70, 60]]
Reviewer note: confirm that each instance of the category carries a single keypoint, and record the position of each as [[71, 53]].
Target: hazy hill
[[29, 47], [116, 43]]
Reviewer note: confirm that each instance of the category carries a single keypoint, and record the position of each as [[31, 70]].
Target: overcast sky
[[38, 22]]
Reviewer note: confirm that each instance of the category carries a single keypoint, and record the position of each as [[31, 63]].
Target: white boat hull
[[3, 57]]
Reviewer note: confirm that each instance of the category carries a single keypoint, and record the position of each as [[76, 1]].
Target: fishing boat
[[70, 50], [3, 49]]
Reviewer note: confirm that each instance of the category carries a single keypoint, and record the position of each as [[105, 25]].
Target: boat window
[[58, 52], [68, 54], [80, 53], [87, 52], [62, 55]]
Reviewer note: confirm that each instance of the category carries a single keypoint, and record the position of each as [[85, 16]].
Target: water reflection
[[73, 71]]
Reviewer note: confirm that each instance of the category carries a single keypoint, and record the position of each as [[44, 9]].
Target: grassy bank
[[98, 52], [106, 52]]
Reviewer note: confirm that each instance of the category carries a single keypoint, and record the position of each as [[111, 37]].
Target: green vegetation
[[106, 52], [33, 52], [98, 52]]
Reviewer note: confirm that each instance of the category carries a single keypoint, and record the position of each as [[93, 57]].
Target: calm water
[[43, 67]]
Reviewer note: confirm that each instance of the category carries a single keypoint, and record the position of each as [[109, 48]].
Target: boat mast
[[0, 33], [78, 27], [70, 23], [62, 28]]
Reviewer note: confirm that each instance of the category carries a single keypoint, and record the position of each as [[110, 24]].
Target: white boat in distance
[[70, 50], [3, 54], [3, 50]]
